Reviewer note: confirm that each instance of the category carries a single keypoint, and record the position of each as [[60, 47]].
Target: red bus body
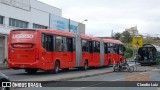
[[114, 57], [40, 49]]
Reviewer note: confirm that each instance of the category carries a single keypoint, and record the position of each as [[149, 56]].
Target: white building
[[29, 14], [133, 31]]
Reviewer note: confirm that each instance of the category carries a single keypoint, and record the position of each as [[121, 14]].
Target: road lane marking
[[88, 86]]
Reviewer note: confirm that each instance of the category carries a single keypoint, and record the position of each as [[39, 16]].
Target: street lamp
[[80, 24]]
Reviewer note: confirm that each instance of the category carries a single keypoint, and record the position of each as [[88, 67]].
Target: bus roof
[[89, 37], [57, 32], [112, 41]]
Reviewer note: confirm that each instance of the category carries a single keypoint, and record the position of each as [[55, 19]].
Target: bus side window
[[69, 44], [47, 42], [97, 47], [109, 48], [91, 46], [63, 46], [105, 48], [43, 41], [121, 51], [116, 48], [59, 42], [85, 46], [74, 44], [112, 48]]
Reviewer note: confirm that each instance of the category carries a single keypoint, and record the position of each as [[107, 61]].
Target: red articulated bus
[[52, 50]]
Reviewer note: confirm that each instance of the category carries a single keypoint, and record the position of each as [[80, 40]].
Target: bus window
[[74, 44], [112, 49], [47, 42], [23, 39], [84, 46], [121, 51], [60, 44], [109, 48], [105, 48], [91, 46], [97, 47], [115, 48], [69, 44], [43, 41]]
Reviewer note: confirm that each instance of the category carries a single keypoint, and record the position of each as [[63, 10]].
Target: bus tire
[[31, 71], [85, 65], [56, 67], [65, 69]]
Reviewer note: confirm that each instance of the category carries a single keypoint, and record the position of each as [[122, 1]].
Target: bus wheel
[[56, 67], [31, 71], [85, 65], [65, 69]]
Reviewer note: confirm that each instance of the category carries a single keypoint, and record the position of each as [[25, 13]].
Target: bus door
[[112, 53], [47, 54], [96, 54], [69, 57], [106, 56], [61, 51], [121, 53], [116, 48], [91, 53]]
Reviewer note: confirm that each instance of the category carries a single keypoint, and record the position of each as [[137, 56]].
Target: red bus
[[52, 50]]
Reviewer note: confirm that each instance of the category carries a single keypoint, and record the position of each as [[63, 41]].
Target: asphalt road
[[15, 75], [154, 76], [113, 76]]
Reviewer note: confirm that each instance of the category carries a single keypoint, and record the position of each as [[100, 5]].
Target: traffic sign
[[137, 41]]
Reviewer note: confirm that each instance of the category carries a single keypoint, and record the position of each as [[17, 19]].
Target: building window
[[1, 19], [18, 23], [37, 26]]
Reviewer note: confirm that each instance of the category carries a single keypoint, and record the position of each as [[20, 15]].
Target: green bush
[[128, 53]]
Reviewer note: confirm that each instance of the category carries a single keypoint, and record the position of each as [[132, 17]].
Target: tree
[[126, 37], [117, 36]]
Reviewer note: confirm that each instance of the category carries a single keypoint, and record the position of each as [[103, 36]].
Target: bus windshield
[[23, 37]]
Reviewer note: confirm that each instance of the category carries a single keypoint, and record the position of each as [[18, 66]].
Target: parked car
[[3, 78]]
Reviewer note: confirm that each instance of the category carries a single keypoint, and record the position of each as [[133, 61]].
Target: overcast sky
[[106, 15]]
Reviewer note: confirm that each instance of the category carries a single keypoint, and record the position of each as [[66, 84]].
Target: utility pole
[[112, 33], [69, 25]]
